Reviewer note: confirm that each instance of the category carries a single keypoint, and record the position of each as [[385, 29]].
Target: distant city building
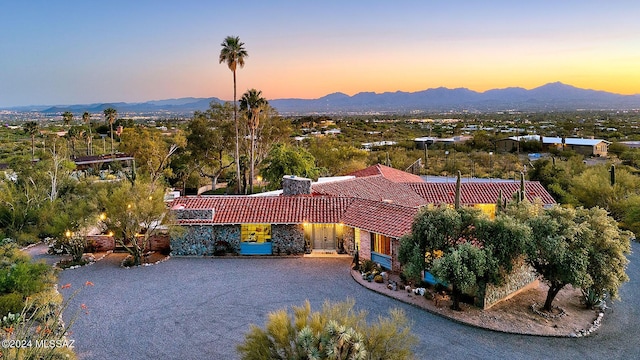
[[587, 147], [421, 141]]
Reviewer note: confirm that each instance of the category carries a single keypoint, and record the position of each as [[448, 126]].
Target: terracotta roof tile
[[379, 217], [267, 209], [376, 188], [479, 193], [388, 173]]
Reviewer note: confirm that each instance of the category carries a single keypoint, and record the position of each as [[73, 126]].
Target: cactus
[[457, 201], [612, 172], [499, 207], [522, 189]]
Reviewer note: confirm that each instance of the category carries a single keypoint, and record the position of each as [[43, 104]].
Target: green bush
[[24, 277], [11, 303]]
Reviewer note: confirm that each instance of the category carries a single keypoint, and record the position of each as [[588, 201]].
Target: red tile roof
[[376, 188], [265, 209], [380, 217], [388, 173], [373, 203], [479, 193]]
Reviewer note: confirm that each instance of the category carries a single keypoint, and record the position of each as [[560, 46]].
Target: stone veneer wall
[[228, 233], [520, 278], [203, 214], [348, 238], [195, 240], [293, 185], [200, 240], [287, 239], [395, 264]]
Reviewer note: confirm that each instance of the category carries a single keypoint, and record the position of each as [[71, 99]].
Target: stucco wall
[[287, 239]]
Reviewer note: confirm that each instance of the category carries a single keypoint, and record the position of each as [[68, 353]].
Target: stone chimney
[[294, 185]]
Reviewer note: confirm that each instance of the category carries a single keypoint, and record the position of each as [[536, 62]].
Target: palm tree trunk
[[111, 128], [235, 119], [253, 147], [33, 149]]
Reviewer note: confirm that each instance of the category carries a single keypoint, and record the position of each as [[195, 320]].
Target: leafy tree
[[134, 213], [209, 138], [607, 248], [336, 156], [252, 103], [285, 160], [67, 117], [233, 54], [111, 115], [151, 149], [271, 130], [463, 267], [593, 188], [32, 129], [557, 251], [505, 237], [336, 332]]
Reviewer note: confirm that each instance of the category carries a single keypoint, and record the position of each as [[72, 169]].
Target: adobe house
[[369, 212]]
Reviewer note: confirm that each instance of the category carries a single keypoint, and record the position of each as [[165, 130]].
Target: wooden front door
[[323, 237]]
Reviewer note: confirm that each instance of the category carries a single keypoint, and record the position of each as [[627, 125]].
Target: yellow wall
[[489, 209], [258, 233]]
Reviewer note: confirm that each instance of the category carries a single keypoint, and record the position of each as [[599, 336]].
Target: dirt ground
[[513, 315]]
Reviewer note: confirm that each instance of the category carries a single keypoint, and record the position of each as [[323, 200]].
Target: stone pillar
[[293, 185]]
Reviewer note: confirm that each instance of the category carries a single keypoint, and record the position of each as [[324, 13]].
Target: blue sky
[[69, 52]]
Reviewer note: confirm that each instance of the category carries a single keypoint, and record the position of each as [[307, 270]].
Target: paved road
[[200, 308]]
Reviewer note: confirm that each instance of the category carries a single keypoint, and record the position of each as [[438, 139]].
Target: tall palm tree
[[111, 114], [86, 118], [67, 117], [74, 134], [233, 54], [253, 103], [32, 129]]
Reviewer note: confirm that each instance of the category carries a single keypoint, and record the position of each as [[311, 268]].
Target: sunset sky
[[76, 52]]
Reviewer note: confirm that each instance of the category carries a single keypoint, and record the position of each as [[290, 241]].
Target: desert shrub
[[304, 334], [11, 303], [368, 266], [24, 277]]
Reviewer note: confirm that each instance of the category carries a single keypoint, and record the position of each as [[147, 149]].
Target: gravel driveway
[[200, 308]]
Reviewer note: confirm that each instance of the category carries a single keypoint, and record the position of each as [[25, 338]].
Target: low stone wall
[[101, 243], [160, 243], [521, 278], [287, 239]]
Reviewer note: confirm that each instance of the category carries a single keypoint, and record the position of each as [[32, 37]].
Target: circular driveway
[[200, 308]]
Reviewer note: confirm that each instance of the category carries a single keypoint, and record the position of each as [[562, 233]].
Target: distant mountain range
[[554, 96]]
